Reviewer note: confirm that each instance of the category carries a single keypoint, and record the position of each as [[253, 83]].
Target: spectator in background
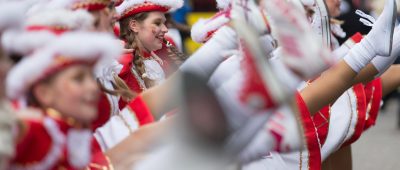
[[351, 23], [180, 15]]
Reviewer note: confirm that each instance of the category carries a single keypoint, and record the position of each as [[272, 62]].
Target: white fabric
[[153, 71], [271, 162], [284, 123], [383, 63], [320, 23], [12, 14], [360, 55], [252, 14], [268, 43], [85, 46], [176, 37], [79, 147], [300, 50], [285, 75], [277, 161], [228, 96], [352, 109], [127, 4], [377, 42], [117, 128], [202, 27], [223, 4], [338, 31], [224, 71], [24, 43], [182, 157], [56, 149], [339, 123], [340, 52], [71, 20], [206, 59]]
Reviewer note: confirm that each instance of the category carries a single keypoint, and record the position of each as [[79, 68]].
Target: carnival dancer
[[142, 27], [62, 137], [389, 13], [339, 93]]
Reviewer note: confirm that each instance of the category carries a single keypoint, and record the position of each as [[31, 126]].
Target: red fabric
[[168, 65], [104, 112], [36, 143], [373, 92], [129, 78], [254, 83], [57, 31], [361, 114], [310, 134], [90, 6], [210, 33], [99, 160], [146, 7], [116, 30], [357, 37], [141, 110], [127, 75], [125, 59], [321, 122], [16, 105]]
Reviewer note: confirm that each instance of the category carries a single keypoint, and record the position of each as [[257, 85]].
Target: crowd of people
[[103, 84]]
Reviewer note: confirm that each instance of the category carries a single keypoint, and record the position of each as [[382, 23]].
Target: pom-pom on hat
[[132, 7], [68, 49]]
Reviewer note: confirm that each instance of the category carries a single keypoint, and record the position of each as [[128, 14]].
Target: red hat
[[43, 27], [132, 7], [70, 48], [59, 21], [90, 5]]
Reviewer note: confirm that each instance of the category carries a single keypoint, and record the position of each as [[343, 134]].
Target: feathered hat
[[43, 27], [132, 7], [12, 14], [69, 49]]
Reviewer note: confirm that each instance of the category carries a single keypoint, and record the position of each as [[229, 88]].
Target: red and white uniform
[[48, 142]]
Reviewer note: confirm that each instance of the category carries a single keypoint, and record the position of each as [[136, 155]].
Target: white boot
[[383, 63], [377, 42]]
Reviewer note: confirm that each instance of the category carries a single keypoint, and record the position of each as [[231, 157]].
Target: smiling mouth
[[160, 37]]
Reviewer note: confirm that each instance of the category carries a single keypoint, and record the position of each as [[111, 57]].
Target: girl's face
[[73, 92], [151, 31], [333, 7]]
